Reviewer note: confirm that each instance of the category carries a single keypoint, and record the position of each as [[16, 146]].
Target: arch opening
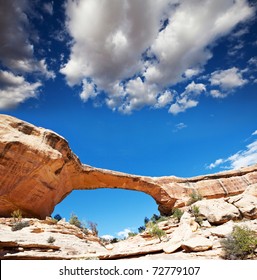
[[115, 211]]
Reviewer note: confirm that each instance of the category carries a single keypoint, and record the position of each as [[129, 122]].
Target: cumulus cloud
[[107, 237], [15, 50], [188, 99], [124, 233], [217, 94], [17, 55], [243, 158], [215, 163], [48, 8], [135, 51], [89, 90], [15, 90], [228, 79]]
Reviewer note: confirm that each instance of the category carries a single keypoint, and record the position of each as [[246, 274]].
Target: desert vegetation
[[240, 244]]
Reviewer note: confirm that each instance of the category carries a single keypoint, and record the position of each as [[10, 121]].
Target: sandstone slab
[[197, 244], [247, 204], [217, 211]]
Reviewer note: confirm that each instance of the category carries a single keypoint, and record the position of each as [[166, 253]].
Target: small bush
[[141, 229], [74, 220], [155, 231], [131, 234], [177, 213], [114, 240], [155, 218], [146, 221], [194, 196], [50, 240], [162, 219], [240, 245], [17, 215], [93, 228], [196, 212], [20, 225]]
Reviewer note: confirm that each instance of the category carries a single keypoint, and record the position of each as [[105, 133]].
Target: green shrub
[[20, 225], [155, 231], [17, 215], [241, 244], [155, 218], [194, 196], [141, 229], [131, 234], [93, 228], [162, 219], [50, 240], [146, 221], [177, 213], [196, 212], [114, 240], [74, 220]]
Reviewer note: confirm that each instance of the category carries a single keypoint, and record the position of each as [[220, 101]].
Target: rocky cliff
[[38, 170]]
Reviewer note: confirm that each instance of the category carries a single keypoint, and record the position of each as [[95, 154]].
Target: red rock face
[[38, 170]]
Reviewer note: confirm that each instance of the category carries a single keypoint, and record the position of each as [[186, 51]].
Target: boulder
[[197, 244], [109, 246], [222, 230], [247, 204], [184, 231], [217, 211], [252, 190]]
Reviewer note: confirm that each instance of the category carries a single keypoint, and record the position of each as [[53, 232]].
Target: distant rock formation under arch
[[38, 170]]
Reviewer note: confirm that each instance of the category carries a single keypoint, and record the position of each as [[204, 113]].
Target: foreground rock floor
[[187, 239]]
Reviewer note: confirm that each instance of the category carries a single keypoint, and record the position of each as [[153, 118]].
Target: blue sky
[[158, 87]]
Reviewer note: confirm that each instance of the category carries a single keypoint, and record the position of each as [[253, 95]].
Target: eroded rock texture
[[38, 170]]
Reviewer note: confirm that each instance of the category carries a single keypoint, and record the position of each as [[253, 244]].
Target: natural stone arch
[[38, 170]]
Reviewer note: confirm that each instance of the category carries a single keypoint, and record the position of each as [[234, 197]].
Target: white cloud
[[48, 8], [243, 158], [189, 73], [179, 126], [109, 38], [15, 50], [17, 55], [15, 90], [107, 237], [188, 98], [42, 68], [227, 79], [217, 94], [89, 90], [215, 164], [164, 99], [253, 61], [115, 42], [124, 233]]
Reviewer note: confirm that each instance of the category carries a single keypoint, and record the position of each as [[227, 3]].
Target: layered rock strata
[[38, 170]]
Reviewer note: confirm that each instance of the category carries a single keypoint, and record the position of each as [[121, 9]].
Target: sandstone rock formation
[[217, 211], [38, 170]]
